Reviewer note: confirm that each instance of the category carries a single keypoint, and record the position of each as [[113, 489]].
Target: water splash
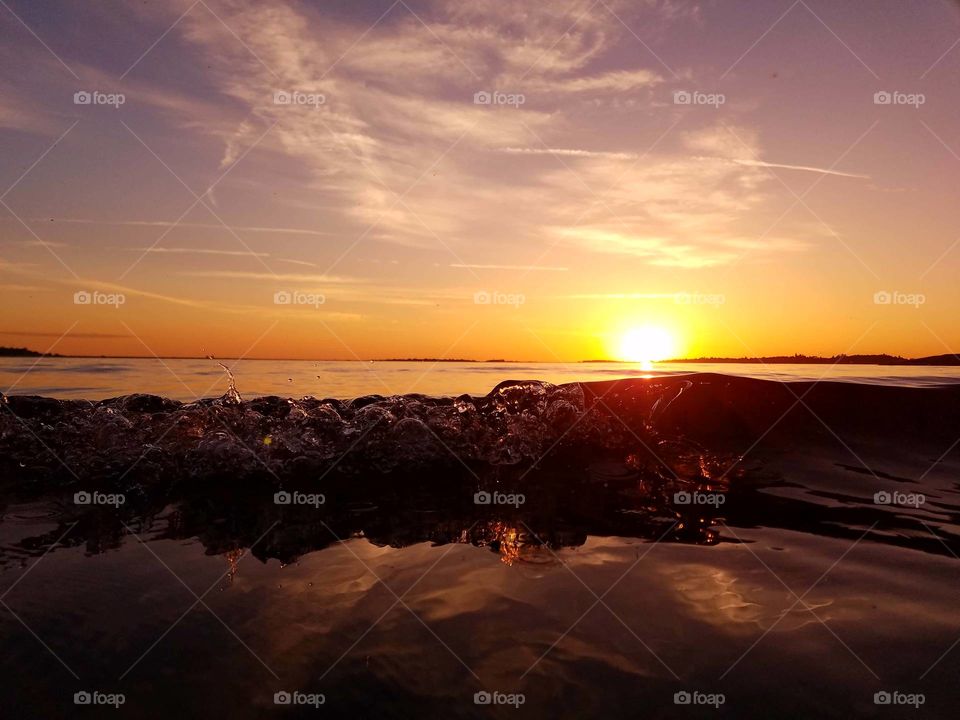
[[684, 431], [517, 423], [232, 396]]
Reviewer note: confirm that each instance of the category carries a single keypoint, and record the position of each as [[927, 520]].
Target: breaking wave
[[678, 428]]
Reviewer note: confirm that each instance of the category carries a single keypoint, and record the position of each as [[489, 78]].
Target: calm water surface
[[800, 597], [95, 379]]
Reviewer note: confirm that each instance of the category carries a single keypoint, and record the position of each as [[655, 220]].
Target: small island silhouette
[[24, 352], [883, 359]]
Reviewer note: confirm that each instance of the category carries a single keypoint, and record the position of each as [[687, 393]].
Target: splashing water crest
[[232, 396]]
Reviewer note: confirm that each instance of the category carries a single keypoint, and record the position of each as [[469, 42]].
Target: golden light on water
[[647, 344]]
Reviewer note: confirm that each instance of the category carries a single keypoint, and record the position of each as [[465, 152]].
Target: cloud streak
[[802, 168], [202, 226]]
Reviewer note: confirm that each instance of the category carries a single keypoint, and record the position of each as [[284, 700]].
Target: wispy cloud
[[291, 261], [198, 251], [399, 159], [274, 278], [803, 168], [410, 162], [203, 226], [417, 163], [527, 268], [567, 152], [89, 284], [33, 242]]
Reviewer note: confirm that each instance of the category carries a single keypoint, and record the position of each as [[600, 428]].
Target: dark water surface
[[603, 594]]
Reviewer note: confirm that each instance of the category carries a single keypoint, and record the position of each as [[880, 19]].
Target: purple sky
[[777, 211]]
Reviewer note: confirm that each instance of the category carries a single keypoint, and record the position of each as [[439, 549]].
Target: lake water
[[800, 597], [94, 379], [810, 570]]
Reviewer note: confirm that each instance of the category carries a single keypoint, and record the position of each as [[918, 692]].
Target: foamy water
[[92, 378]]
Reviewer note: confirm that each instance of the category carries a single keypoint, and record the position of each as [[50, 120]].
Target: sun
[[647, 344]]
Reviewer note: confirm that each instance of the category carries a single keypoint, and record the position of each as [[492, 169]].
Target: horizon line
[[702, 359]]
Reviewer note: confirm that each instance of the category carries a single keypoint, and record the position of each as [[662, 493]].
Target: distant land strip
[[946, 359]]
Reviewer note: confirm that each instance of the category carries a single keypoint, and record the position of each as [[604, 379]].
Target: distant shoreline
[[887, 360], [946, 360]]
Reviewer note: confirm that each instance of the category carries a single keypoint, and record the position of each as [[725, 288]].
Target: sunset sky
[[786, 208]]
